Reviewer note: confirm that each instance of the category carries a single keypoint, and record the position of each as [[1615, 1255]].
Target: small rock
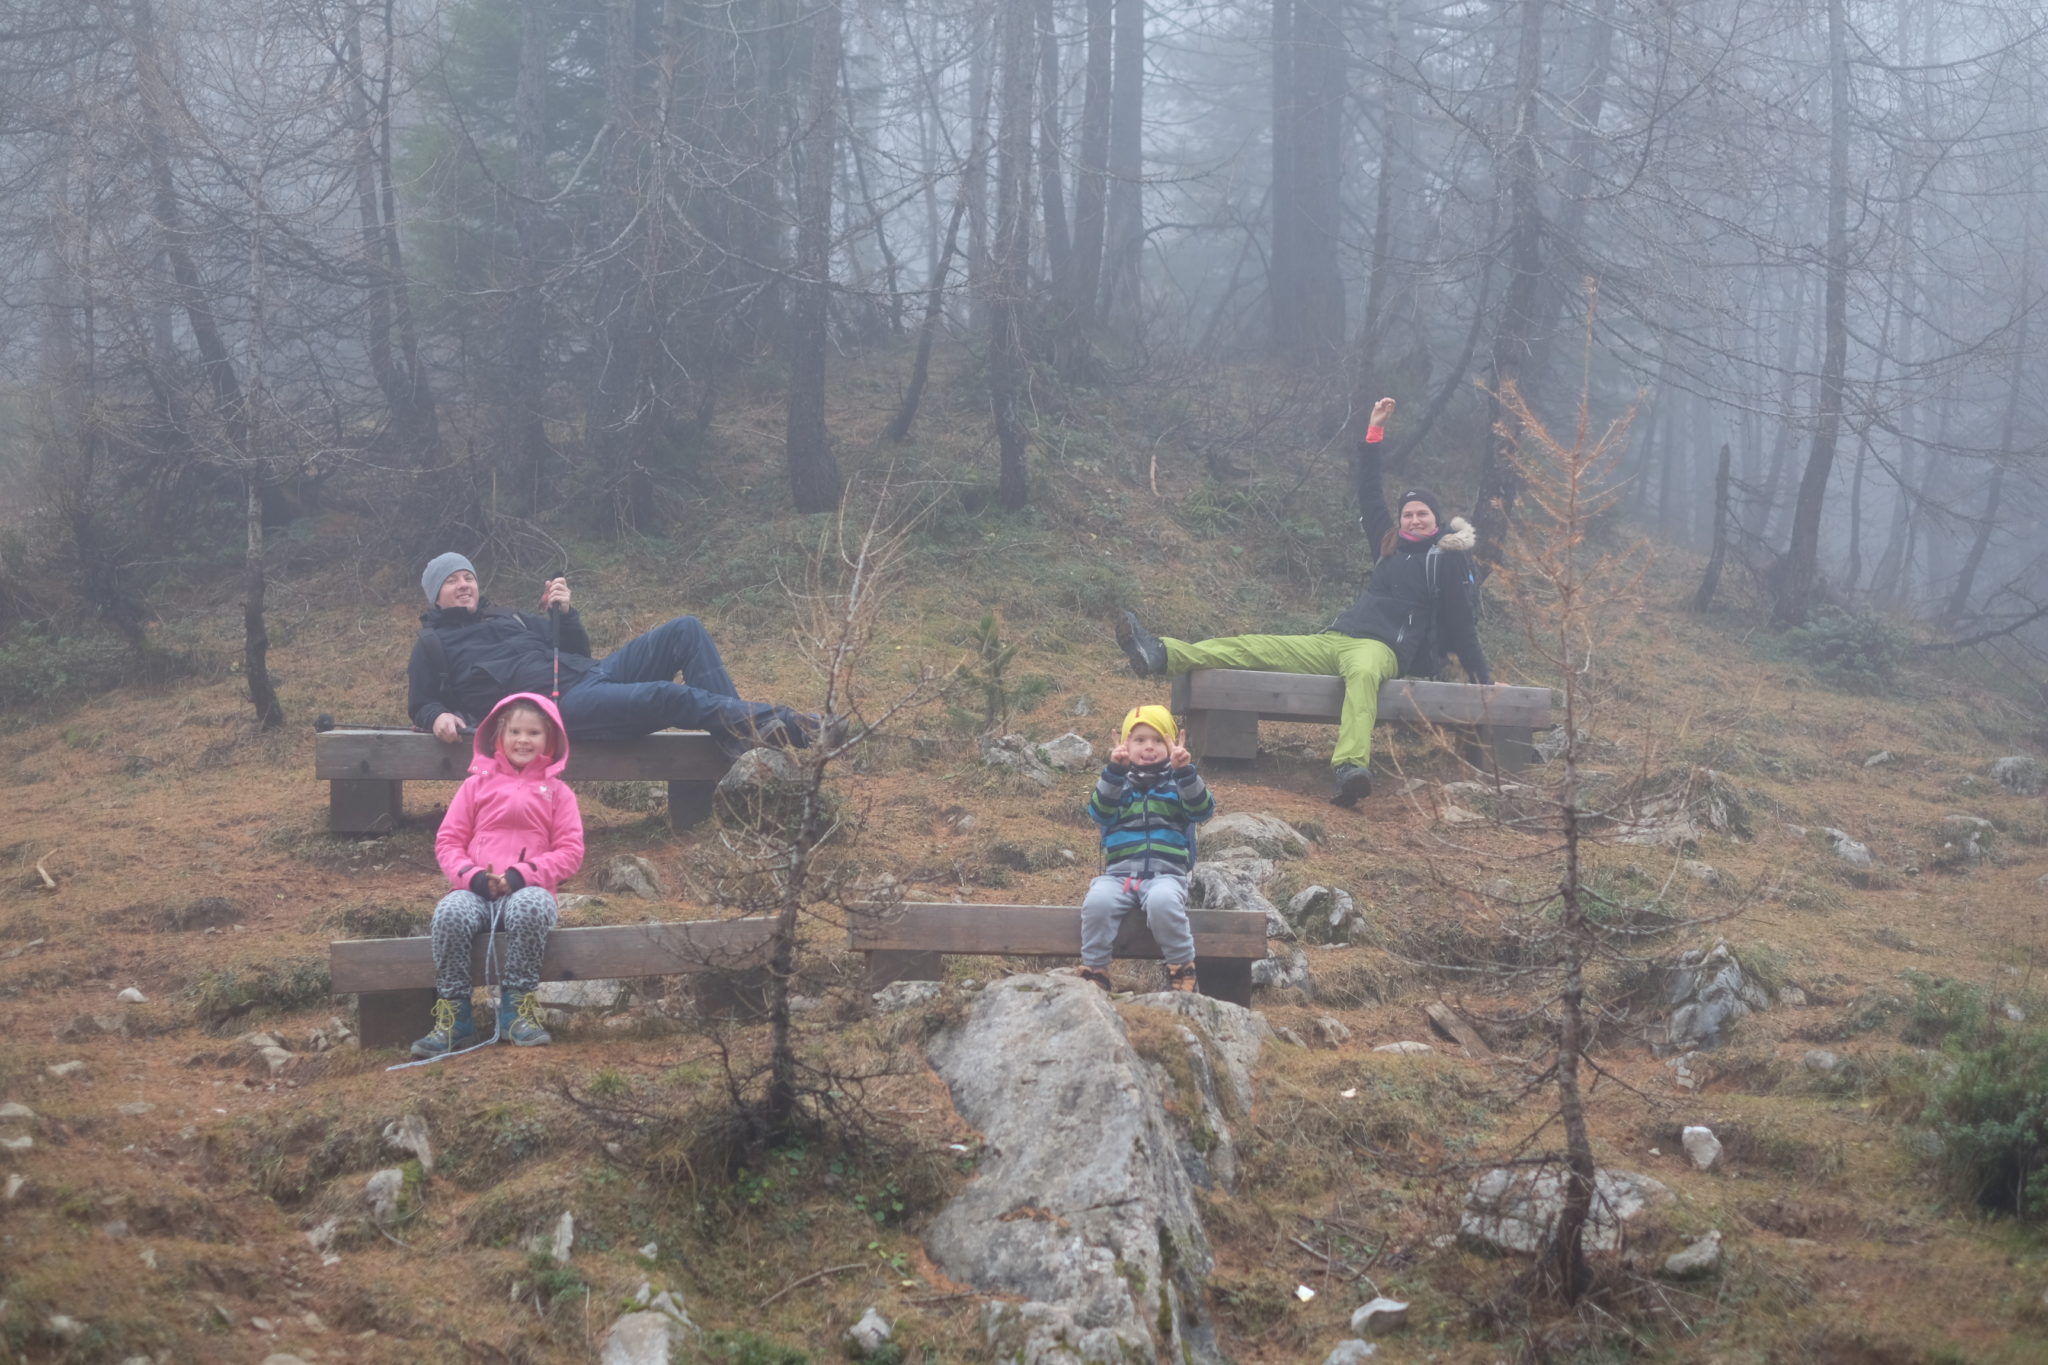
[[134, 1109], [641, 1339], [649, 1251], [270, 1061], [311, 1322], [1351, 1351], [1330, 1032], [382, 1192], [256, 1042], [2012, 1012], [1323, 914], [598, 994], [21, 1143], [1500, 889], [1288, 1035], [1281, 972], [1269, 835], [13, 1112], [1018, 756], [63, 1325], [630, 874], [1458, 815], [1703, 873], [1881, 756], [408, 1134], [1820, 1060], [1379, 1315], [1083, 705], [1685, 1070], [868, 1335], [902, 995], [65, 1070], [321, 1239], [804, 1004], [1702, 1146], [1407, 1048], [1701, 1258], [131, 996], [16, 1182], [148, 1258], [1849, 850], [564, 1238], [263, 1324], [1070, 754], [1792, 997], [2021, 774]]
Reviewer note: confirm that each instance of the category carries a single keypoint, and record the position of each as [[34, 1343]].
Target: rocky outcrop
[[1084, 1205], [1517, 1210], [1706, 993]]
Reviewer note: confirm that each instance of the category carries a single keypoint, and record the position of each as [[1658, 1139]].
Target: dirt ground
[[165, 1201]]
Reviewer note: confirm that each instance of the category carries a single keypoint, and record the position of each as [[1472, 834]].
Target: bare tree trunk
[[1090, 177], [1703, 600], [525, 370], [814, 480], [1006, 358], [1516, 332], [1307, 290], [1367, 387], [980, 92], [1059, 251], [1966, 581], [935, 306], [1794, 595], [1124, 241]]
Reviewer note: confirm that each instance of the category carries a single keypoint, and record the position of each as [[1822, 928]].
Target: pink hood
[[506, 819]]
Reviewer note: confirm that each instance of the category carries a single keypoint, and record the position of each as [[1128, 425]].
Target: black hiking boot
[[1140, 646], [1353, 784]]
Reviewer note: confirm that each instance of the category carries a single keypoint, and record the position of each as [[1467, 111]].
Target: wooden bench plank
[[1320, 697], [598, 952], [366, 771], [408, 756], [1042, 931], [393, 978]]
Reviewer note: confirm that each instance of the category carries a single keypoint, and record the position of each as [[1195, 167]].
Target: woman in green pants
[[1419, 604]]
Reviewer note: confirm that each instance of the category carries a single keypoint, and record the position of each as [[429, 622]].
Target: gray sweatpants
[[1164, 900], [524, 919]]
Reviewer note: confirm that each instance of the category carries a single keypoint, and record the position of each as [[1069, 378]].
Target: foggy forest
[[507, 259]]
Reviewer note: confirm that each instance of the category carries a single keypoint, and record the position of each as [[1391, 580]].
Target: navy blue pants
[[633, 690]]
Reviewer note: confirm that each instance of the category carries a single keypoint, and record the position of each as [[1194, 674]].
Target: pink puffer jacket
[[509, 818]]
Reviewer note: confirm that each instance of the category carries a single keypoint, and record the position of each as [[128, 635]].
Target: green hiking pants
[[1362, 664]]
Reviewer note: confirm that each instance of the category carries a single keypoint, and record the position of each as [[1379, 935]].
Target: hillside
[[166, 1197]]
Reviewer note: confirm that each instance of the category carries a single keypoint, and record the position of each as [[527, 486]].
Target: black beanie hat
[[1424, 496]]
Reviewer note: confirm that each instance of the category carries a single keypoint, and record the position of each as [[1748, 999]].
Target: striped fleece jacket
[[1148, 818]]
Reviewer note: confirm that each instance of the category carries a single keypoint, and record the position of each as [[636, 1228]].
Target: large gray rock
[[643, 1339], [408, 1134], [1516, 1208], [1084, 1206], [1227, 883], [1268, 835], [1223, 1042], [1849, 850], [764, 787], [596, 993], [1703, 1257], [1350, 1352], [2021, 773], [1282, 971], [384, 1193], [1706, 993]]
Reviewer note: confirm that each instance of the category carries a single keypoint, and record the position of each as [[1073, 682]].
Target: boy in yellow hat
[[1148, 801]]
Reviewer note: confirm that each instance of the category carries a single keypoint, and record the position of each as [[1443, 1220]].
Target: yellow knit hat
[[1158, 717]]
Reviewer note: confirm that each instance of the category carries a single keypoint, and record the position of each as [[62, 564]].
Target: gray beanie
[[438, 569]]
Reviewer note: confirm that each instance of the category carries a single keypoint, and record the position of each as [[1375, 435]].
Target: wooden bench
[[1224, 706], [908, 942], [393, 978], [366, 771]]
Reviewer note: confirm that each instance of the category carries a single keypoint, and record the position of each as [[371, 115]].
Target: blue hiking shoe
[[1147, 655], [454, 1029], [519, 1019]]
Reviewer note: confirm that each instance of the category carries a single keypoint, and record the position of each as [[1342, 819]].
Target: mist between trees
[[483, 264]]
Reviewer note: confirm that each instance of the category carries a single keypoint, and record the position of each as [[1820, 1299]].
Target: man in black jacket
[[470, 655]]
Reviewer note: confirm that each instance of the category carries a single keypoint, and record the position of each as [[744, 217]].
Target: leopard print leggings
[[524, 919]]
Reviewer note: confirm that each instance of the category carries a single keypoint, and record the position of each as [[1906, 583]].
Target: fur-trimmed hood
[[1458, 535]]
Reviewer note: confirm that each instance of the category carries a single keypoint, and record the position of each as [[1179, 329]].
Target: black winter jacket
[[1421, 602], [475, 659]]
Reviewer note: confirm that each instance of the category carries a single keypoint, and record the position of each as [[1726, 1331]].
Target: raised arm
[[1373, 516]]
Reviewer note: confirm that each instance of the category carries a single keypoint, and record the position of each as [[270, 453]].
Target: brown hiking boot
[[1098, 977], [1180, 976]]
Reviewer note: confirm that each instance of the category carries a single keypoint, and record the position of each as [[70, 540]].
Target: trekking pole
[[555, 639]]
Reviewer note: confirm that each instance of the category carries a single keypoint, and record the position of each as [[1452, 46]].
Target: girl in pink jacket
[[512, 834]]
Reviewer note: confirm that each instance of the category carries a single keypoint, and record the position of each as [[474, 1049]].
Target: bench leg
[[364, 805], [394, 1018], [738, 993], [1225, 978], [689, 803], [1514, 747], [887, 966], [1223, 734]]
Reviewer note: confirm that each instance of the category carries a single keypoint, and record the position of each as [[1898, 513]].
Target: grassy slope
[[1842, 1246]]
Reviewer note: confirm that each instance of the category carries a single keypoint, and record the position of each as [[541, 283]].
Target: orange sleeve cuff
[[1374, 435]]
